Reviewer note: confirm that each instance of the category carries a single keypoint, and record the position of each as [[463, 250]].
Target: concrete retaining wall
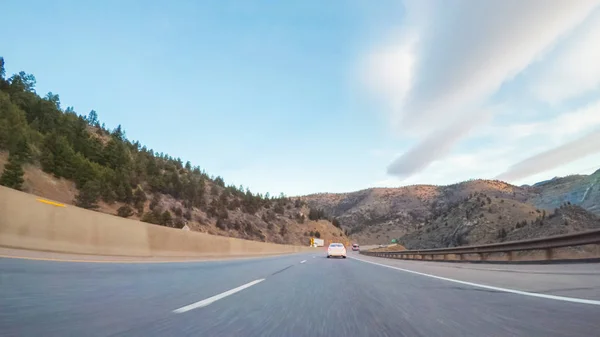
[[29, 223]]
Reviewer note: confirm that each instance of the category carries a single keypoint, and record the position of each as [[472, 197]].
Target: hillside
[[378, 215], [582, 190], [425, 216], [67, 157], [480, 219]]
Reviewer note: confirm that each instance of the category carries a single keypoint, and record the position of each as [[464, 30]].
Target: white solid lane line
[[215, 298], [513, 291], [302, 261]]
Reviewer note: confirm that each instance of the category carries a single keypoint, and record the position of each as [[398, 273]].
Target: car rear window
[[336, 245]]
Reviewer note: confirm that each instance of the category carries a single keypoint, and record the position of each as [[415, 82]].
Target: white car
[[336, 249]]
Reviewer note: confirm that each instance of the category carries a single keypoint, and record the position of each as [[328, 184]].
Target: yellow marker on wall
[[57, 204]]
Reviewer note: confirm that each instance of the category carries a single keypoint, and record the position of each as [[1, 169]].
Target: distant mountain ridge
[[377, 215], [581, 190]]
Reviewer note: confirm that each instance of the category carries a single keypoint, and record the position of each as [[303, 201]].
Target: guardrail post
[[460, 257], [549, 253], [510, 255], [445, 257], [482, 256]]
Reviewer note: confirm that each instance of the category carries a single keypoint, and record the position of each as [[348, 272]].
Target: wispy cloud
[[564, 127], [553, 158], [574, 69], [434, 146], [452, 56]]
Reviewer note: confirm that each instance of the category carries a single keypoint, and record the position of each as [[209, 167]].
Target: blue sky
[[323, 96]]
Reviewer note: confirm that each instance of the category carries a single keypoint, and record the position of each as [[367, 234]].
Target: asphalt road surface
[[297, 295]]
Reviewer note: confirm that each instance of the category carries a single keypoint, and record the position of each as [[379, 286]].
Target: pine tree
[[88, 196], [47, 160], [139, 198], [166, 219], [12, 176], [125, 211], [92, 118], [2, 71], [155, 201]]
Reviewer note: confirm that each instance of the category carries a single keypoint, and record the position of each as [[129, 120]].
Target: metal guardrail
[[548, 244]]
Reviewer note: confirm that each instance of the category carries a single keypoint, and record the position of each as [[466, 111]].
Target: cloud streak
[[452, 57], [436, 145], [555, 157], [574, 70]]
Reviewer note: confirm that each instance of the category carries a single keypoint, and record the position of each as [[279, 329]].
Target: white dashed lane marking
[[215, 298]]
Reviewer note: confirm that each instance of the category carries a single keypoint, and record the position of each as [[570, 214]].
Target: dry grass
[[43, 184]]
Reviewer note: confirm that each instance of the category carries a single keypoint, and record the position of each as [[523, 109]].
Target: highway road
[[297, 295]]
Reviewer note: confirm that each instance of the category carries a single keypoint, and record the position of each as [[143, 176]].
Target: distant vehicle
[[355, 247], [336, 249]]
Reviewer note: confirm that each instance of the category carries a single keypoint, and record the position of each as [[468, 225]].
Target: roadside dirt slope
[[279, 228]]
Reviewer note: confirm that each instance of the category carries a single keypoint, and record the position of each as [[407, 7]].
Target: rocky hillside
[[582, 190], [380, 214], [480, 219], [477, 211]]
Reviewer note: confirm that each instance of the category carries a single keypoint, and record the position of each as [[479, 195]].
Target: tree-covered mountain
[[109, 169]]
